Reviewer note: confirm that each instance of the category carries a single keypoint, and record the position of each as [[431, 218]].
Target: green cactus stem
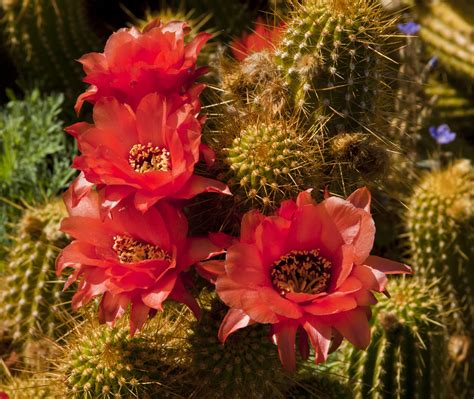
[[447, 28], [46, 37], [402, 360], [336, 57], [246, 366], [440, 229], [33, 297], [99, 361]]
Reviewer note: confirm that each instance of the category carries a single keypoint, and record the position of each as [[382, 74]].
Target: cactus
[[46, 37], [403, 359], [335, 55], [269, 161], [359, 155], [27, 387], [106, 362], [451, 104], [440, 229], [246, 366], [33, 297], [447, 28]]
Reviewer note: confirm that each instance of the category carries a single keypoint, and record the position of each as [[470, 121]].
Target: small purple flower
[[442, 134], [432, 62], [410, 28]]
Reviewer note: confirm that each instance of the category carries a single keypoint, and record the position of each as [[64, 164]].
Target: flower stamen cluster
[[130, 250], [144, 158], [301, 272]]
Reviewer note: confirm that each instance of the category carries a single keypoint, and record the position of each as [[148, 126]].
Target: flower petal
[[361, 198], [200, 184], [234, 320], [138, 316], [371, 279], [387, 266], [244, 265], [285, 335], [354, 326], [320, 337]]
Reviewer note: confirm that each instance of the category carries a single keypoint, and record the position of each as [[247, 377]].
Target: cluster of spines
[[46, 37], [401, 360], [333, 56], [32, 300], [447, 29], [99, 361], [269, 162]]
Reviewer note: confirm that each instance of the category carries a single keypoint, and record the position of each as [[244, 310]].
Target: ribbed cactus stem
[[440, 229], [34, 297], [397, 363], [333, 57], [447, 27], [50, 36], [246, 366]]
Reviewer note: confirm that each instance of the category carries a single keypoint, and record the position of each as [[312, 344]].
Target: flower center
[[301, 272], [130, 250], [145, 158]]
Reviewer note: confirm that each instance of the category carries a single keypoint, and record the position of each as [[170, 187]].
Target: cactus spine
[[32, 299], [334, 55], [447, 27], [50, 36], [400, 361], [246, 366], [440, 229], [99, 361]]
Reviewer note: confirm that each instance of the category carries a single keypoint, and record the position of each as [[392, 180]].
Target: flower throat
[[301, 272]]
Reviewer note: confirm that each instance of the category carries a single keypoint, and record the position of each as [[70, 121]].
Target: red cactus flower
[[128, 257], [262, 38], [135, 64], [306, 269], [149, 154]]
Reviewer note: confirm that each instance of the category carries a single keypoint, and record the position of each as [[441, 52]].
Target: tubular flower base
[[135, 64], [305, 270], [149, 154], [129, 257], [262, 38]]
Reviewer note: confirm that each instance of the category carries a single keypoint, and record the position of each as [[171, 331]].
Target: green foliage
[[335, 55], [45, 37], [34, 156], [403, 359]]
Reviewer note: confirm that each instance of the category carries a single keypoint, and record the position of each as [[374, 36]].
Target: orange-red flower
[[135, 64], [307, 269], [128, 257], [149, 154], [263, 37]]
